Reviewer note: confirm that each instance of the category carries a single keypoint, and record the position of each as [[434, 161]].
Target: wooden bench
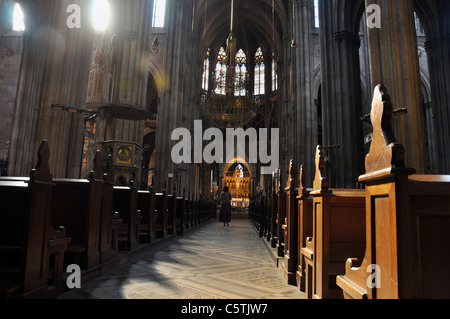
[[110, 220], [187, 213], [161, 215], [146, 204], [273, 216], [281, 218], [408, 220], [32, 249], [338, 231], [194, 211], [77, 204], [180, 215], [305, 225], [125, 203], [290, 228], [171, 211]]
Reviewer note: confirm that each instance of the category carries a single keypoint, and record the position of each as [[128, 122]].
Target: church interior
[[93, 91]]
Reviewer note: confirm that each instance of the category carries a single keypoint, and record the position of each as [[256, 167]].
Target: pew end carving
[[32, 249], [338, 230], [407, 217], [305, 225]]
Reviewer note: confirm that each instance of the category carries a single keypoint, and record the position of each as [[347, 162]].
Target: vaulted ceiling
[[256, 23]]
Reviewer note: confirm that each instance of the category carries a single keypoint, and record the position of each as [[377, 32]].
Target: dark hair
[[226, 189]]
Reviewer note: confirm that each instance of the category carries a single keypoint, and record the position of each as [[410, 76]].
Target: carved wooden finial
[[301, 187], [274, 183], [41, 172], [291, 179], [280, 187], [132, 182], [97, 172], [109, 175], [320, 181], [385, 153]]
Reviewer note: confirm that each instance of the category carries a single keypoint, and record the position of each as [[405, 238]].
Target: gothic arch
[[158, 74], [348, 14], [240, 160], [426, 12], [215, 24]]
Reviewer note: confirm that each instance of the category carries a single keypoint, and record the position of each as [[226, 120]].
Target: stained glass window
[[241, 74], [274, 73], [260, 69], [221, 72], [205, 77]]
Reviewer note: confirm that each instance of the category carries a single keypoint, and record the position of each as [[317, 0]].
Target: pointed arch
[[260, 72]]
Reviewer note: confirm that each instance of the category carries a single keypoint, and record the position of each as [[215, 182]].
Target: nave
[[208, 262]]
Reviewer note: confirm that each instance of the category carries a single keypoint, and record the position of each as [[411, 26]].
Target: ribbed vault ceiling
[[255, 23]]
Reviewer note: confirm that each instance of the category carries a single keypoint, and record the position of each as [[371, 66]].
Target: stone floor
[[209, 262]]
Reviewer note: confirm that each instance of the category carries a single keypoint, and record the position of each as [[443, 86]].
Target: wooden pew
[[290, 228], [109, 220], [125, 203], [187, 212], [31, 249], [180, 214], [408, 220], [197, 210], [147, 205], [305, 225], [273, 216], [171, 212], [77, 204], [338, 231], [281, 218], [161, 215]]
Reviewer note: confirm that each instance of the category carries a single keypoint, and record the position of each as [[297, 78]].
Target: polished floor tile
[[208, 262]]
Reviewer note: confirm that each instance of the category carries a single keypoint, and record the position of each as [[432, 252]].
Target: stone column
[[438, 50], [394, 62], [341, 95], [172, 106], [130, 63], [55, 67], [306, 137]]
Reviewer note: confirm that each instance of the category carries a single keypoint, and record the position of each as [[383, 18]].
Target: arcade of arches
[[306, 67]]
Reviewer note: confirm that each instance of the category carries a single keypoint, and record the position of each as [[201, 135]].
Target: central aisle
[[209, 262]]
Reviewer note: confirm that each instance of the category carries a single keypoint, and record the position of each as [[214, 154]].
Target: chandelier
[[228, 109]]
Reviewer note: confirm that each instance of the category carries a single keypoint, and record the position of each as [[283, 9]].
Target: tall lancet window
[[18, 18], [205, 76], [316, 14], [241, 74], [159, 13], [221, 72], [260, 71], [274, 73]]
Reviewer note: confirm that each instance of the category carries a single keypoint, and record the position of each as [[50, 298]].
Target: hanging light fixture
[[228, 110], [294, 41]]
